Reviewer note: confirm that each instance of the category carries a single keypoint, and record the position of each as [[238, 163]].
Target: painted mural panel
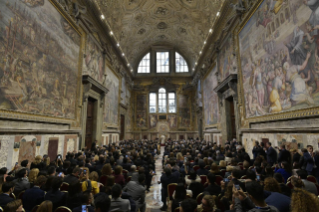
[[172, 121], [211, 108], [141, 110], [111, 98], [279, 57], [153, 121], [128, 117], [227, 60], [184, 110], [39, 53], [94, 61]]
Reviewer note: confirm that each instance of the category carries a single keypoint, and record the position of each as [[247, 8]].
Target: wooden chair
[[64, 187], [218, 179], [203, 178], [289, 184], [223, 171], [196, 167], [1, 210], [199, 198], [240, 163], [312, 179], [244, 177], [35, 208], [125, 172], [317, 186], [177, 209], [12, 195], [20, 196], [207, 167], [103, 179], [63, 209], [128, 179], [170, 190], [206, 185]]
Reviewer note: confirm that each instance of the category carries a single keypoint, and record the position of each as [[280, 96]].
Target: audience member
[[137, 192], [57, 197], [102, 203], [212, 188], [308, 186], [21, 183], [7, 189], [14, 206], [34, 196], [117, 203], [45, 206]]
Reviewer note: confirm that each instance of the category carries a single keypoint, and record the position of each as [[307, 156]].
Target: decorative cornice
[[95, 85]]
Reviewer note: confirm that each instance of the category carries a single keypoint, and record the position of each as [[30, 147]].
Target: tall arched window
[[145, 64], [162, 62], [181, 65], [162, 100]]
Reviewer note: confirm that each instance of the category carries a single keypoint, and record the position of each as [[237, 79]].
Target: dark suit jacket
[[32, 197], [4, 200], [57, 198], [213, 189], [284, 155], [202, 172], [79, 209], [271, 155], [309, 161]]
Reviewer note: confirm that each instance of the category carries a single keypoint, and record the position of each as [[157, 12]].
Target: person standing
[[284, 155], [271, 154], [310, 161]]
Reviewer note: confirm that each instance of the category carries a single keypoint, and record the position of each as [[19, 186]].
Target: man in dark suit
[[7, 189], [310, 161], [76, 173], [271, 154], [102, 203], [166, 179], [34, 196], [57, 197], [212, 189], [284, 155], [202, 170]]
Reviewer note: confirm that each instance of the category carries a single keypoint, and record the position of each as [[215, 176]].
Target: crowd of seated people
[[94, 179], [210, 177]]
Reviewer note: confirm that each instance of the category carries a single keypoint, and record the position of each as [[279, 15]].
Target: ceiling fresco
[[140, 24]]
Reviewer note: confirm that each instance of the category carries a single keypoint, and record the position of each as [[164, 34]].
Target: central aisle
[[153, 198]]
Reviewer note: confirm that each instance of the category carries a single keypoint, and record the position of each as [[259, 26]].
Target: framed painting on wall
[[278, 62]]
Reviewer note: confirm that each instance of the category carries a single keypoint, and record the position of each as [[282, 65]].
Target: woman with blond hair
[[208, 204], [215, 169], [37, 163], [226, 200], [33, 175], [45, 206], [222, 164], [94, 176], [302, 200], [14, 206]]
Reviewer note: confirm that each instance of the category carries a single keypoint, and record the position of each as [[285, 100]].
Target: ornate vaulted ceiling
[[140, 24]]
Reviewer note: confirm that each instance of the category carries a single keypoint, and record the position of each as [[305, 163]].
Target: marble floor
[[154, 198]]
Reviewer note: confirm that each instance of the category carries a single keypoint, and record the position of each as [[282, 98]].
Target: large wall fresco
[[141, 111], [184, 110], [112, 98], [210, 99], [227, 60], [279, 57], [39, 54], [94, 61]]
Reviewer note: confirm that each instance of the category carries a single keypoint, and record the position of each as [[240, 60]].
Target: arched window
[[162, 62], [144, 66], [181, 65], [162, 100]]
